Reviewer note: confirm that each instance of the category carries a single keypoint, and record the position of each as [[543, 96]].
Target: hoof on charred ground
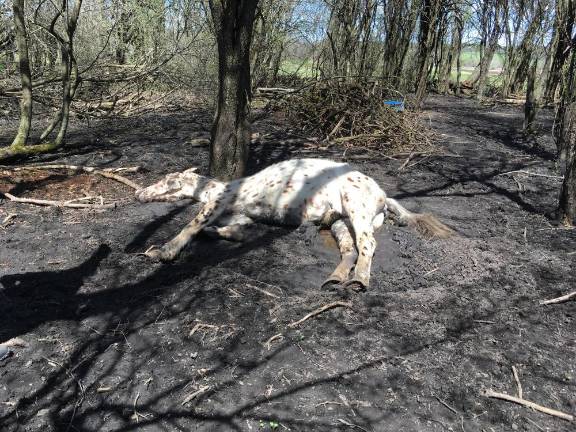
[[159, 254], [331, 284], [355, 285]]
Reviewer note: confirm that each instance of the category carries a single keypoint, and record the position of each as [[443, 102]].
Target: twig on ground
[[136, 416], [536, 424], [319, 311], [454, 410], [259, 281], [202, 326], [496, 395], [268, 343], [408, 159], [560, 299], [517, 379], [105, 172], [531, 173], [8, 220], [195, 394], [69, 203], [347, 423], [328, 403], [263, 291]]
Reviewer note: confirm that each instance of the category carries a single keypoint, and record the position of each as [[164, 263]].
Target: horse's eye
[[172, 184]]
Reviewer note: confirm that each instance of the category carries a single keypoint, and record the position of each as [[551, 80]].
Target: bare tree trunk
[[567, 203], [233, 21], [428, 20], [460, 27], [565, 135], [492, 45], [565, 19], [531, 104], [25, 77], [70, 80], [399, 20]]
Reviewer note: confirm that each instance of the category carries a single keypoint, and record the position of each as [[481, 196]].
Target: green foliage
[[270, 425]]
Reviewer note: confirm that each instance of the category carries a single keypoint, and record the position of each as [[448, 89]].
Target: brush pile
[[353, 114]]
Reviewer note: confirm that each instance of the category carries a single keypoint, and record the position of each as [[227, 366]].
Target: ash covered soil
[[115, 342]]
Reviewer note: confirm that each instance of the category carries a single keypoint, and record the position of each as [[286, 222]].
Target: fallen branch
[[105, 172], [496, 395], [319, 311], [408, 159], [517, 379], [195, 394], [531, 173], [560, 299], [268, 343], [51, 203], [202, 326], [8, 220], [263, 291], [454, 410]]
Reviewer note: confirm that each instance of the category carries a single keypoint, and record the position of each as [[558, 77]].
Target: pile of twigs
[[353, 114]]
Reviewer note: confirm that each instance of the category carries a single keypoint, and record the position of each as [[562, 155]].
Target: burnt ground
[[118, 343]]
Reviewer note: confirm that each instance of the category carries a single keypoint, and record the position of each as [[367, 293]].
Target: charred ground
[[118, 343]]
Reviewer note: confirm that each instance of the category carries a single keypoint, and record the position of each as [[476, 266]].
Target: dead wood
[[517, 379], [8, 220], [319, 311], [69, 203], [353, 114], [268, 343], [560, 299], [263, 291], [496, 395], [531, 174], [106, 172], [408, 159], [195, 394]]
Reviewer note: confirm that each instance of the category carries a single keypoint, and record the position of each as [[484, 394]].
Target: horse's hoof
[[159, 254], [356, 285], [331, 283]]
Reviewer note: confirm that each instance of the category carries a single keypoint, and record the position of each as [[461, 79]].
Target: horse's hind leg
[[341, 233]]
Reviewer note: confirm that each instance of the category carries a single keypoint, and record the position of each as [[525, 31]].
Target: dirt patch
[[118, 343], [54, 185]]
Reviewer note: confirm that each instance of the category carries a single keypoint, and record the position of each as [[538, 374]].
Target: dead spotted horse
[[292, 192]]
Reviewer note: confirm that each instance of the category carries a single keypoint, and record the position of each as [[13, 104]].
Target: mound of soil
[[115, 342]]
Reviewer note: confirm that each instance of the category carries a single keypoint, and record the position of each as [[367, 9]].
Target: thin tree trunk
[[428, 20], [531, 104], [25, 76], [233, 21], [567, 202], [565, 20], [70, 80], [566, 142], [460, 25], [492, 45]]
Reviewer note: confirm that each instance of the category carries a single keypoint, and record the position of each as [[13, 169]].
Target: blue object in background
[[395, 104]]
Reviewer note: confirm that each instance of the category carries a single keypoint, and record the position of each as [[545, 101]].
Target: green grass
[[470, 57], [296, 66]]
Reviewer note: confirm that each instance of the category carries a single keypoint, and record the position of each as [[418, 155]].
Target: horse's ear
[[191, 170]]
